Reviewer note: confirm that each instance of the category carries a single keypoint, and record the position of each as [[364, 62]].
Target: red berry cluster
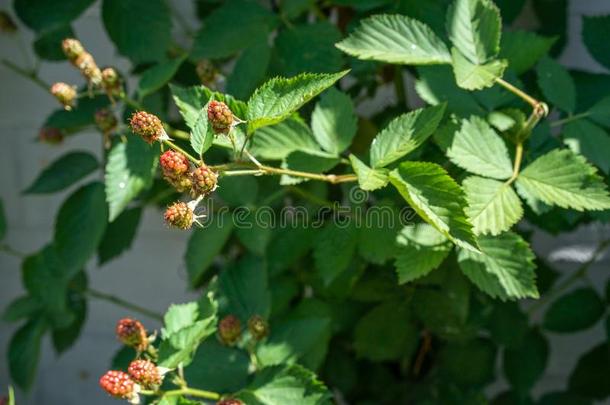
[[118, 384], [175, 167], [145, 373], [229, 329], [220, 117], [229, 401], [179, 215], [148, 126], [64, 93], [132, 333], [204, 181], [82, 60]]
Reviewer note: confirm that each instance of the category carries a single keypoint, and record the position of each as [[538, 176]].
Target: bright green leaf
[[202, 135], [130, 169], [395, 39], [493, 206], [276, 142], [404, 134], [436, 198], [421, 249], [478, 149], [504, 269], [334, 122], [311, 162], [472, 76], [369, 179], [278, 98], [565, 179], [63, 172]]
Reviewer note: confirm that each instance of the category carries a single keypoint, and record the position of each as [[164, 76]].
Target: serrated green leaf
[[369, 179], [404, 134], [556, 84], [565, 179], [377, 233], [80, 225], [119, 235], [278, 98], [133, 40], [285, 385], [474, 27], [523, 49], [493, 206], [395, 39], [525, 364], [478, 149], [232, 27], [594, 31], [245, 285], [154, 78], [334, 122], [436, 198], [205, 244], [421, 249], [587, 139], [399, 337], [250, 68], [574, 311], [63, 172], [276, 142], [309, 48], [334, 249], [504, 269], [472, 76], [24, 352], [130, 169], [202, 135], [42, 15]]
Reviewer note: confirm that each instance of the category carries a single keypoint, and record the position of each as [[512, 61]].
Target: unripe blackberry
[[64, 93], [220, 117], [145, 373], [118, 384], [179, 215], [175, 167], [105, 120], [229, 329], [52, 136], [229, 401], [111, 81], [132, 333], [258, 327], [88, 68], [207, 73], [204, 181], [72, 48], [6, 23], [148, 126]]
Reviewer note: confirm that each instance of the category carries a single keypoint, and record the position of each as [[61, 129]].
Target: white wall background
[[152, 273]]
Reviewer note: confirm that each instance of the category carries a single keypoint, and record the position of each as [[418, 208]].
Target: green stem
[[130, 102], [518, 92], [177, 133], [185, 153], [580, 273], [517, 163], [122, 303], [31, 75], [570, 119], [194, 392]]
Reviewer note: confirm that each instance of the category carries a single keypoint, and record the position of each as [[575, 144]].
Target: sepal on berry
[[229, 330], [148, 126], [65, 94], [132, 333]]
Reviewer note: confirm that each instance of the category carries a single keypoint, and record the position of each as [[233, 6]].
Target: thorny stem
[[122, 303], [577, 275]]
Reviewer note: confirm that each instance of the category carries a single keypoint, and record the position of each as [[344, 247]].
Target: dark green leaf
[[575, 311], [334, 248], [334, 122], [42, 15], [311, 162], [590, 376], [238, 190], [589, 140], [2, 221], [276, 142], [119, 235], [556, 84], [23, 307], [468, 363], [525, 364], [523, 49], [80, 225], [508, 325], [63, 173], [250, 68], [595, 30], [157, 76], [245, 286], [205, 244], [79, 117], [65, 337], [48, 43], [133, 39], [24, 352]]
